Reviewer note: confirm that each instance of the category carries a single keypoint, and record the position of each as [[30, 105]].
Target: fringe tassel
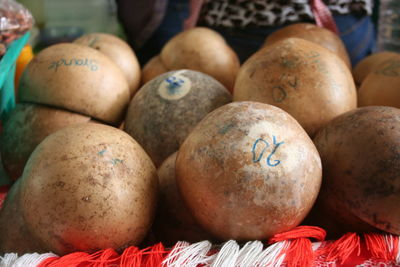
[[132, 256], [273, 256], [398, 253], [175, 252], [227, 256], [341, 249], [8, 259], [382, 246], [292, 248], [187, 255], [155, 255], [33, 259], [300, 251], [72, 259], [248, 255]]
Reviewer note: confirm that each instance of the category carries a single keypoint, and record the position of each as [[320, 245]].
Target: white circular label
[[175, 87]]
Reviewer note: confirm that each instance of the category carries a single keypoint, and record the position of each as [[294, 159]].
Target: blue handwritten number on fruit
[[261, 141], [173, 84], [262, 152]]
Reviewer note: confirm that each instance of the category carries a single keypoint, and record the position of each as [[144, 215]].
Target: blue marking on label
[[173, 84]]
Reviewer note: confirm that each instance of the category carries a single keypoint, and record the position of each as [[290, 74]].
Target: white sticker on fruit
[[175, 87]]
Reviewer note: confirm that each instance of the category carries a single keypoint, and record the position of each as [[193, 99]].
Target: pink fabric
[[3, 193], [323, 15], [195, 8]]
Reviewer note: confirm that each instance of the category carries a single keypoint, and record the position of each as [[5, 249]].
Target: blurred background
[[58, 20]]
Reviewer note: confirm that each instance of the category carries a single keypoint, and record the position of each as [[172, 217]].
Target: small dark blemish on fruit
[[226, 128]]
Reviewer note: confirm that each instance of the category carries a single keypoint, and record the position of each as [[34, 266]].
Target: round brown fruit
[[304, 79], [119, 52], [152, 69], [76, 78], [369, 64], [382, 86], [248, 171], [174, 222], [15, 238], [204, 50], [312, 33], [361, 166], [88, 187], [167, 108], [27, 126]]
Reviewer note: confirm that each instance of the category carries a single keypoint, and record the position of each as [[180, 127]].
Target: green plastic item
[[7, 74]]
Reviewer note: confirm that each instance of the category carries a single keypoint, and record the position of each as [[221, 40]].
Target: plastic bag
[[15, 20]]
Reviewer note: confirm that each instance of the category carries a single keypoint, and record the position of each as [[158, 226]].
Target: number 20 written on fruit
[[261, 145]]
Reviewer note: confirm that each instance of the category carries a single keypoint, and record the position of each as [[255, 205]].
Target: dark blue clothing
[[177, 11], [358, 35]]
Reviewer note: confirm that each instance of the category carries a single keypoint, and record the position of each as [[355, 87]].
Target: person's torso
[[244, 13]]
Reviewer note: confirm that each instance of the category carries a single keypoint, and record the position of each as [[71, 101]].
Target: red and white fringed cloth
[[289, 249]]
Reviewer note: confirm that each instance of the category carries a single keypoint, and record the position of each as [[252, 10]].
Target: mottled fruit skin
[[119, 52], [14, 236], [312, 33], [248, 171], [306, 80], [76, 78], [174, 222], [167, 108], [337, 220], [382, 86], [87, 187], [27, 126], [361, 168]]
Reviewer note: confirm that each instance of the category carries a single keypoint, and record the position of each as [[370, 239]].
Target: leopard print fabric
[[245, 13]]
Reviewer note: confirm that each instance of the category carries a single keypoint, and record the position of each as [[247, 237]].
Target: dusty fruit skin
[[76, 78], [203, 50], [88, 187], [15, 237], [306, 80], [167, 108], [174, 222], [381, 86], [361, 166], [248, 171], [119, 52], [26, 126], [312, 33]]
